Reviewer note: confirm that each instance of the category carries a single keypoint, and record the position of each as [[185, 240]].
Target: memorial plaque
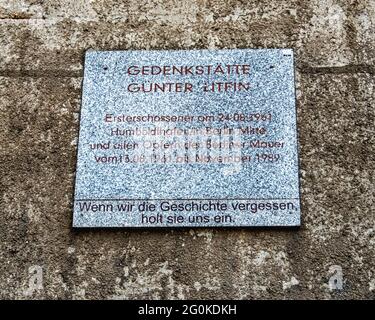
[[188, 139]]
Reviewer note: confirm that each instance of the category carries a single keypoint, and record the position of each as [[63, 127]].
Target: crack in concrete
[[348, 69], [305, 69], [46, 73]]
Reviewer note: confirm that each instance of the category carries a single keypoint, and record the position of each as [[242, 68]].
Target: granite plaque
[[188, 139]]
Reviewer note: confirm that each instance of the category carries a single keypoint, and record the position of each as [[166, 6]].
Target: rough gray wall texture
[[41, 50]]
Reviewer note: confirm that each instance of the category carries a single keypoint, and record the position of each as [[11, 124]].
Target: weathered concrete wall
[[41, 50]]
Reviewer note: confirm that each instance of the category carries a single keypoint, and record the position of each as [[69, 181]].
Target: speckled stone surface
[[249, 95], [42, 46]]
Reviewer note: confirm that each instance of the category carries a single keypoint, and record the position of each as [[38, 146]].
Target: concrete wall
[[41, 51]]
